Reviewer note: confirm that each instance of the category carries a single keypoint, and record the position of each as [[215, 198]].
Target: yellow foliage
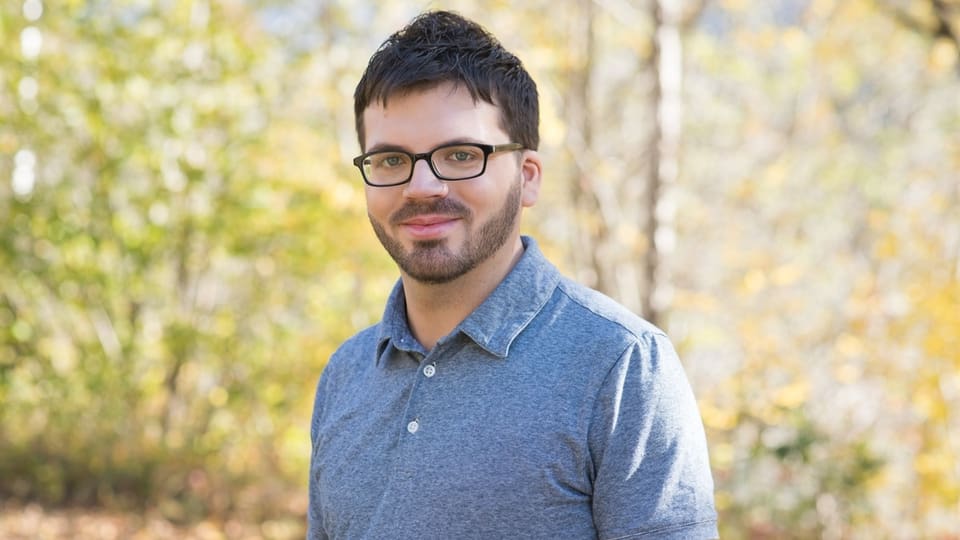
[[928, 403], [795, 40], [846, 79], [847, 373], [856, 9], [777, 173], [793, 395], [722, 455], [786, 275], [887, 247], [717, 418], [768, 412], [696, 301], [735, 5], [820, 9], [754, 281], [943, 343], [218, 396], [766, 38], [943, 56], [723, 499], [849, 346], [878, 219], [273, 394], [941, 306], [629, 237], [935, 463]]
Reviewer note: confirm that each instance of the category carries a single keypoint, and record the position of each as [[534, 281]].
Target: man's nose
[[423, 183]]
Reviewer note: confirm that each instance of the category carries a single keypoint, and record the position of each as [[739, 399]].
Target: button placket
[[428, 370]]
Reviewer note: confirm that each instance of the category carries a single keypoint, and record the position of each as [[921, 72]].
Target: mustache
[[445, 207]]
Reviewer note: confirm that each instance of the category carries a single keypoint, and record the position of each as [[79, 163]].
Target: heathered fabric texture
[[550, 412]]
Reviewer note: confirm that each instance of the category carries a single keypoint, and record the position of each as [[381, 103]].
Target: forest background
[[183, 244]]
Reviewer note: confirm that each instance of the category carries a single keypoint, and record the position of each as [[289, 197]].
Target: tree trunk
[[589, 227], [667, 65]]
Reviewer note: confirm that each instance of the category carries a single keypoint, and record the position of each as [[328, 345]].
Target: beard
[[432, 261]]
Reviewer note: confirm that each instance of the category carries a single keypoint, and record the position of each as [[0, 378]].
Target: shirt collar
[[394, 330], [514, 303], [497, 321]]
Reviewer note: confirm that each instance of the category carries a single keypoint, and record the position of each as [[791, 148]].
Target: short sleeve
[[315, 529], [651, 469]]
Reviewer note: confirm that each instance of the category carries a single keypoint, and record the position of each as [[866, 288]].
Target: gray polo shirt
[[550, 412]]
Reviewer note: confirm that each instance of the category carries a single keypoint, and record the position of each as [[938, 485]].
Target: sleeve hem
[[700, 530]]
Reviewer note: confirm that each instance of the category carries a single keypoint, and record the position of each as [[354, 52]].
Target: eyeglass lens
[[448, 162]]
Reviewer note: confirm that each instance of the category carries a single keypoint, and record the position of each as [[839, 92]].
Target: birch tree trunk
[[589, 228], [667, 66]]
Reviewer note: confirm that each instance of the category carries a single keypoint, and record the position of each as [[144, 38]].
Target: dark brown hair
[[439, 47]]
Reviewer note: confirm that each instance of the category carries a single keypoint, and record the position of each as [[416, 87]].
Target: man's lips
[[428, 220], [428, 226]]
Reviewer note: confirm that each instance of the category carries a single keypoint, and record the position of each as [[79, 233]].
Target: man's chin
[[432, 268], [427, 245], [432, 262]]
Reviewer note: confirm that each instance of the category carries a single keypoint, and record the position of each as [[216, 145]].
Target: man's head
[[442, 47], [447, 120]]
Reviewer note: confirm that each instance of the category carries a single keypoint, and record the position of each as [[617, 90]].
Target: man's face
[[437, 230]]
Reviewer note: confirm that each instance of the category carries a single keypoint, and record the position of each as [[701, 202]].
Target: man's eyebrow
[[388, 147]]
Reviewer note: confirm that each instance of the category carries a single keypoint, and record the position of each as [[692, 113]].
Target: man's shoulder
[[597, 311], [361, 345]]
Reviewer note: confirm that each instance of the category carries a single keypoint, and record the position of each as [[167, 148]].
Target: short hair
[[439, 47]]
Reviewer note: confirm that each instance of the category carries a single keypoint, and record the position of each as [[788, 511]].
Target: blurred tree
[[168, 290], [939, 20], [819, 212], [183, 241]]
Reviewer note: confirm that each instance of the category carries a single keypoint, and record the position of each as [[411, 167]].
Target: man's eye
[[389, 161], [461, 155]]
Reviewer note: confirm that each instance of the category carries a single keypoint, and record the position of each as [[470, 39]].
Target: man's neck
[[434, 310]]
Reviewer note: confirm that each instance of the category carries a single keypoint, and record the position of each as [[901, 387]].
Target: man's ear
[[531, 173]]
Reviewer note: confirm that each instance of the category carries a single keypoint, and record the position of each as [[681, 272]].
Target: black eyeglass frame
[[487, 149]]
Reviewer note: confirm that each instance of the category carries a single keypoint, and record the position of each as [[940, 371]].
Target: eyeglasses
[[459, 161]]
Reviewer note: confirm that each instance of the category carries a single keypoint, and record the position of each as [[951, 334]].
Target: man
[[496, 399]]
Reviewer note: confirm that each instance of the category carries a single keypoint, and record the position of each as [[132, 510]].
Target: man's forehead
[[442, 87], [429, 115], [436, 104]]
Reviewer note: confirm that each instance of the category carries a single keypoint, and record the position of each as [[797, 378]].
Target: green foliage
[[168, 293]]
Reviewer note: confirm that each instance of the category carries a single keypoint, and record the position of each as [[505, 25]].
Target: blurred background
[[183, 242]]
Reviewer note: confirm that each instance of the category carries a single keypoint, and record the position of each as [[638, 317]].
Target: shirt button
[[413, 426], [430, 370]]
